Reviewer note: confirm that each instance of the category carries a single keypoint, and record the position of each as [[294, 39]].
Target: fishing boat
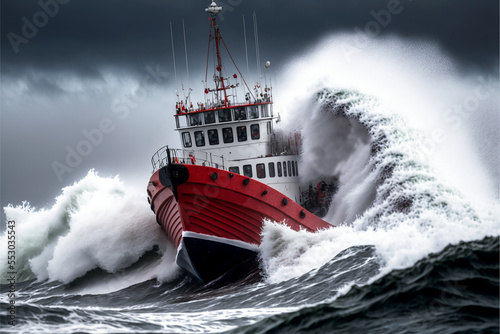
[[233, 172]]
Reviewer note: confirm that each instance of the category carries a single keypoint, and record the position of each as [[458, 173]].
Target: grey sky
[[85, 58]]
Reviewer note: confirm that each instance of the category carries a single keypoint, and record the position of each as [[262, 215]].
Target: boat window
[[269, 130], [297, 168], [265, 110], [183, 121], [284, 168], [247, 170], [235, 170], [209, 117], [289, 169], [225, 115], [293, 168], [186, 139], [271, 169], [280, 174], [254, 131], [253, 112], [199, 138], [240, 114], [242, 133], [195, 119], [213, 137], [261, 171], [227, 135]]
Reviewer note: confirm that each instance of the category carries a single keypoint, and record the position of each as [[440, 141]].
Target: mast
[[213, 10]]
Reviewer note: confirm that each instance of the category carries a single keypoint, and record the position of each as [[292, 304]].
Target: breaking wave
[[95, 224], [412, 180]]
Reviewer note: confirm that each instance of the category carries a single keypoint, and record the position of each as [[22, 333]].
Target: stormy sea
[[416, 243]]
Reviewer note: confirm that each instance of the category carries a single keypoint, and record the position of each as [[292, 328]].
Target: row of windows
[[285, 168], [227, 135], [227, 115]]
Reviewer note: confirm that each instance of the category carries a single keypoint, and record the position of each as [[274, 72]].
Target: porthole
[[254, 131], [261, 171], [199, 138], [186, 139], [227, 135], [213, 137], [242, 133], [272, 172], [247, 170]]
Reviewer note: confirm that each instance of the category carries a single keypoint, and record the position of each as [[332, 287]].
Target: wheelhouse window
[[253, 112], [186, 139], [209, 117], [195, 119], [227, 135], [199, 138], [254, 131], [289, 169], [293, 168], [224, 115], [213, 137], [269, 130], [242, 133], [240, 114], [247, 170], [280, 172], [265, 110], [235, 170], [261, 171], [284, 169], [272, 172], [297, 168]]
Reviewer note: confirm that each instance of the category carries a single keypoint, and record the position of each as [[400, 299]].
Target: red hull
[[234, 207], [166, 209], [224, 207], [217, 203]]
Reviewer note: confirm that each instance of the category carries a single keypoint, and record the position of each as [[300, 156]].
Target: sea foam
[[411, 178], [96, 223]]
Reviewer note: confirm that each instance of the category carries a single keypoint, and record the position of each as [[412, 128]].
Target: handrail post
[[168, 156]]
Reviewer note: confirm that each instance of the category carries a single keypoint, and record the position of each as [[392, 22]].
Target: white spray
[[411, 178], [95, 223]]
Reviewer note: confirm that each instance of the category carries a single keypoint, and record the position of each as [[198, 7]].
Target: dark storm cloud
[[86, 36]]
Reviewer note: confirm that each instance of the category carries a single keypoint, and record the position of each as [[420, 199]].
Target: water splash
[[96, 223], [371, 121]]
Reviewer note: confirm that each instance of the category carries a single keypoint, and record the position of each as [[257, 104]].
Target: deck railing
[[166, 155]]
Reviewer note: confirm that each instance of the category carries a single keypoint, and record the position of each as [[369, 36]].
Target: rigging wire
[[185, 52], [246, 48], [234, 63], [256, 34], [173, 57]]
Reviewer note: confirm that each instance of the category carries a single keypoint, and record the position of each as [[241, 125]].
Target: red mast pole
[[219, 60]]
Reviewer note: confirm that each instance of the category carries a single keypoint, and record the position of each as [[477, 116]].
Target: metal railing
[[166, 155]]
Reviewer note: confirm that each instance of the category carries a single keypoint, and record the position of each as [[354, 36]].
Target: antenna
[[245, 37], [185, 52], [173, 57], [256, 33]]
